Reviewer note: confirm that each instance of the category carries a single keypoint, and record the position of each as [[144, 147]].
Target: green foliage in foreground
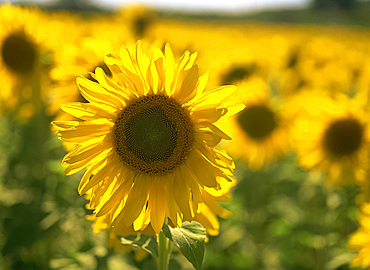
[[190, 240], [283, 217]]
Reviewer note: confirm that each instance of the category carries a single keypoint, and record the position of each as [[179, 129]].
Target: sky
[[202, 5]]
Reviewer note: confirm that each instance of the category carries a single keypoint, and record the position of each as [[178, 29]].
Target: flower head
[[260, 131], [147, 139], [22, 46], [332, 135]]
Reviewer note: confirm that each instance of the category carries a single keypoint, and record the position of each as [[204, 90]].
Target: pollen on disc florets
[[153, 134]]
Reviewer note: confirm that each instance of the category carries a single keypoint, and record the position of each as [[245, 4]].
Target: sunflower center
[[257, 121], [343, 137], [140, 25], [153, 134], [18, 53]]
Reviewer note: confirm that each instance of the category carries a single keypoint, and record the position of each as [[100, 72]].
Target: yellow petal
[[95, 93], [208, 114], [143, 64], [126, 60], [84, 152], [187, 89], [116, 197], [158, 203], [209, 220], [202, 83], [215, 130], [192, 182], [86, 111], [102, 174], [73, 168], [86, 177], [182, 197], [136, 200], [170, 69], [203, 171], [119, 92], [215, 96]]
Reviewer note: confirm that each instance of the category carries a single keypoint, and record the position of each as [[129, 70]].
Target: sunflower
[[139, 18], [310, 64], [332, 135], [260, 132], [360, 240], [148, 139], [239, 72], [21, 59], [363, 82]]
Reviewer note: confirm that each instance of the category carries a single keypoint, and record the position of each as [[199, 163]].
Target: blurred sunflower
[[148, 139], [260, 132], [332, 135], [139, 17], [238, 73], [360, 240], [311, 65], [363, 82], [21, 59]]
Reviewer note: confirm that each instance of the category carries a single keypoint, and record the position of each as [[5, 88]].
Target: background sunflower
[[261, 131], [332, 135], [24, 60]]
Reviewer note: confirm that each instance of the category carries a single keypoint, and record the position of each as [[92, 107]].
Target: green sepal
[[190, 239], [146, 242]]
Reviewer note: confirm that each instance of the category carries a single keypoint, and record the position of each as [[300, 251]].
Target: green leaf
[[166, 231], [146, 242], [190, 239]]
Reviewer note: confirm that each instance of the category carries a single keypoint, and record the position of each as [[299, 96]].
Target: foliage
[[190, 240]]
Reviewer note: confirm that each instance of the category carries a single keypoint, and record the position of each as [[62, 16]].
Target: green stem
[[164, 250]]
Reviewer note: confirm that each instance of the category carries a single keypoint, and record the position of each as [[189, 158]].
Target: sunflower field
[[133, 140]]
